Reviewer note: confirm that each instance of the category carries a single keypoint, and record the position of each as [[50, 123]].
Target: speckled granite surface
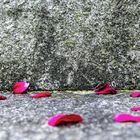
[[24, 118], [67, 43]]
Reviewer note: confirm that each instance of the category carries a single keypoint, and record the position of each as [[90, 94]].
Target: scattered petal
[[20, 87], [3, 97], [40, 94], [64, 119], [105, 89], [126, 118], [135, 94], [136, 108]]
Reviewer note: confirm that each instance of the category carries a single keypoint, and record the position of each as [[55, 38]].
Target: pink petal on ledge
[[64, 119], [105, 89], [40, 94], [136, 108], [135, 94], [20, 87], [3, 97], [126, 118]]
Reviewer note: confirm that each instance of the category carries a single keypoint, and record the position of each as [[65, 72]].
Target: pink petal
[[126, 118], [64, 118], [135, 94], [40, 94], [136, 108], [20, 87], [3, 97], [105, 89]]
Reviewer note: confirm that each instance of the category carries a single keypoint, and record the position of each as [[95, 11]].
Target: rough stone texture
[[70, 43], [24, 118]]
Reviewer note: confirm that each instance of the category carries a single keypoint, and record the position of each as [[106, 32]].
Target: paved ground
[[24, 118]]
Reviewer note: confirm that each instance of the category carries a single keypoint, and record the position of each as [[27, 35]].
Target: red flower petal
[[3, 97], [136, 108], [135, 94], [40, 94], [64, 118], [105, 89], [126, 118], [20, 87]]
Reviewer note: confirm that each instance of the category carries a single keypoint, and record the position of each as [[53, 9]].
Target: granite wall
[[70, 43]]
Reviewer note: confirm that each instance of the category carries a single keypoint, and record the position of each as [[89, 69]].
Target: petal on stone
[[126, 118], [135, 94], [136, 108], [3, 97], [20, 87], [64, 119], [105, 89], [40, 94]]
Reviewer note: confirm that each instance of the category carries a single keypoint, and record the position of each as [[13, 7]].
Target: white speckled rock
[[24, 118], [67, 43]]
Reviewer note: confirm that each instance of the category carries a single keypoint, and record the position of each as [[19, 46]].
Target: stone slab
[[70, 44]]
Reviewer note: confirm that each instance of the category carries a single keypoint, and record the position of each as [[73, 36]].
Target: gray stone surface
[[24, 118], [67, 43]]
